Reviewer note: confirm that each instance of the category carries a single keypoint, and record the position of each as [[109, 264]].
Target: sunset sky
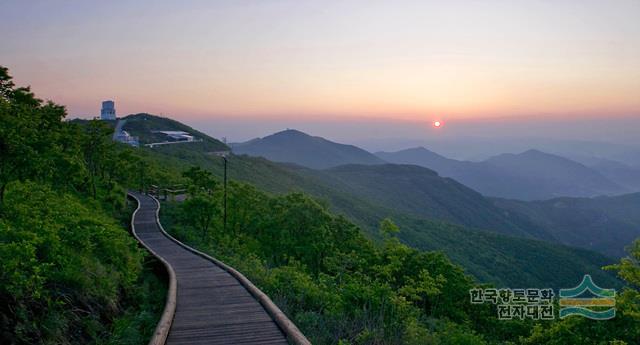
[[330, 60]]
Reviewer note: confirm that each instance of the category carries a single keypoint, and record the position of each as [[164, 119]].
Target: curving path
[[207, 302]]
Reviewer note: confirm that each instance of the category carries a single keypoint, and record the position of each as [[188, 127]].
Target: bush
[[64, 265]]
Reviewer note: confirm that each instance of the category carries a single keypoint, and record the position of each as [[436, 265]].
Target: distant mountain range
[[623, 174], [531, 175], [417, 185], [292, 146], [478, 149], [420, 192], [603, 224]]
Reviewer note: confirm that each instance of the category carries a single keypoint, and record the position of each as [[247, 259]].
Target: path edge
[[287, 326], [164, 325]]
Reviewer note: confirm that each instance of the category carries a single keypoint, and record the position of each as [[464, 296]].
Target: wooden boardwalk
[[212, 306]]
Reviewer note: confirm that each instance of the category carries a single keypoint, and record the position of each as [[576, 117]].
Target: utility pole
[[224, 216], [224, 155], [141, 177]]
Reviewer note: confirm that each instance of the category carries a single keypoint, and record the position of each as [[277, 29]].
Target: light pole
[[142, 177], [224, 215], [224, 155]]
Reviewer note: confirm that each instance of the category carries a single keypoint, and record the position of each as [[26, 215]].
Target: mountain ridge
[[529, 175], [293, 146], [499, 253]]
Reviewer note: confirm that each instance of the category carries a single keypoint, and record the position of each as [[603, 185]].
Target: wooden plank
[[212, 307]]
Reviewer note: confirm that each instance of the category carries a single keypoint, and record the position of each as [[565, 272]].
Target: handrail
[[161, 332], [287, 326]]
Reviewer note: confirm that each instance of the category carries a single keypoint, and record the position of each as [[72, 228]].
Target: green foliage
[[200, 180], [64, 266], [332, 281], [146, 127], [488, 256], [27, 128], [201, 210], [605, 224], [69, 271], [507, 261], [388, 228], [623, 329], [341, 288], [420, 192]]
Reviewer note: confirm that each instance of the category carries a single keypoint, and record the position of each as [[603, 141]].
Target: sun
[[437, 124]]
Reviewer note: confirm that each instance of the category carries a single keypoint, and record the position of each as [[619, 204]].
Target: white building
[[125, 137], [108, 111], [177, 135]]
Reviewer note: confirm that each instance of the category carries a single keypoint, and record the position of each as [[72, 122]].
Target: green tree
[[624, 328], [201, 210], [97, 146], [67, 266], [388, 228], [29, 134], [200, 180], [63, 267]]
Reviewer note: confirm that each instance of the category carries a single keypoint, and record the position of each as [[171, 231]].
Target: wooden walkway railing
[[208, 302]]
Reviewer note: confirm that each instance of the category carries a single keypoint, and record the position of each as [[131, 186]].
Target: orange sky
[[397, 60]]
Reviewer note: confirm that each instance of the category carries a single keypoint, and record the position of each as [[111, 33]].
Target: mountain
[[293, 146], [622, 174], [603, 224], [368, 193], [423, 157], [421, 192], [489, 256], [531, 175], [505, 260], [146, 127], [540, 175]]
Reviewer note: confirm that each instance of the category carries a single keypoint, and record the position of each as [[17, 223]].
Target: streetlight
[[224, 155], [142, 177]]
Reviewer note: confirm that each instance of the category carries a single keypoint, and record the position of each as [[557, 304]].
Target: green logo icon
[[599, 307]]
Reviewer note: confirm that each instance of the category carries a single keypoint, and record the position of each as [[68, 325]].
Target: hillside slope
[[293, 146], [490, 257], [422, 193], [145, 127], [531, 175], [540, 175], [424, 158], [622, 174], [603, 224]]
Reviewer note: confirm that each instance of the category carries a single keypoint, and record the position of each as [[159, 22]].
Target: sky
[[354, 70]]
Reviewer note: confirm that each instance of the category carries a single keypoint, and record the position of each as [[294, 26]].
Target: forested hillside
[[620, 173], [368, 206], [146, 127], [341, 288], [603, 224], [530, 175], [69, 271], [421, 192]]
